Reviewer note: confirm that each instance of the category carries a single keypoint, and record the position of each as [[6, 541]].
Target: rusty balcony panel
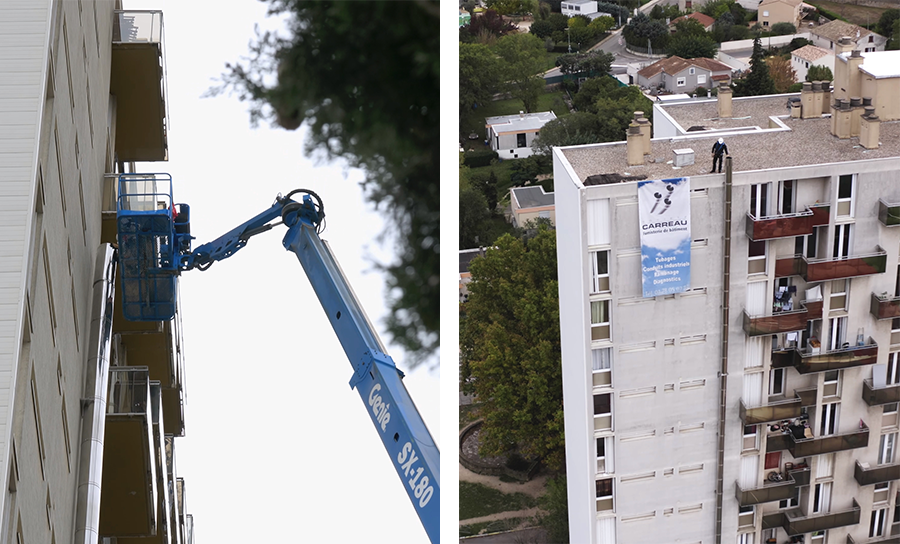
[[797, 524], [789, 266], [814, 309], [881, 395], [873, 475], [773, 491], [888, 214], [774, 411], [787, 226], [849, 267], [885, 307], [783, 358], [775, 323], [773, 520]]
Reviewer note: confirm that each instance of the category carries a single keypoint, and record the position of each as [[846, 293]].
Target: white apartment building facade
[[91, 403], [760, 403]]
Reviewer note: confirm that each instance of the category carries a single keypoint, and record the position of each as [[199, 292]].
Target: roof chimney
[[840, 118], [869, 129], [635, 145], [826, 97], [844, 45], [856, 111], [644, 123], [724, 101], [807, 102], [818, 96]]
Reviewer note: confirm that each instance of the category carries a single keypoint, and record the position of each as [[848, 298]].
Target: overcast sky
[[278, 448]]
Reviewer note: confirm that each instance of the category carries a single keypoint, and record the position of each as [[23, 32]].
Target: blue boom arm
[[376, 378]]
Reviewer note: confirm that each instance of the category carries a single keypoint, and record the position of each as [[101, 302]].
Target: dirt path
[[533, 488], [528, 513]]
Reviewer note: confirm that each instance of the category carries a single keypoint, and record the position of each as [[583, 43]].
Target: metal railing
[[129, 390], [144, 27]]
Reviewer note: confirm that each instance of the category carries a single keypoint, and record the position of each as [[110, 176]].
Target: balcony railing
[[787, 226], [895, 539], [832, 268], [885, 307], [888, 214], [866, 475], [782, 321], [807, 361], [773, 491], [778, 410], [817, 445], [795, 523], [875, 396]]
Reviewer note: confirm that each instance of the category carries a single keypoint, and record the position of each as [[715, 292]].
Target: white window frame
[[745, 538], [759, 200], [701, 79], [893, 369], [889, 415], [603, 427], [752, 265], [792, 502], [601, 367], [808, 244], [681, 81], [610, 497], [847, 203], [877, 522], [692, 71], [830, 419], [746, 515], [887, 446], [818, 537], [881, 492], [776, 382], [790, 200], [831, 385], [842, 247], [822, 498], [839, 294], [601, 330], [837, 332], [605, 464], [751, 439], [599, 278]]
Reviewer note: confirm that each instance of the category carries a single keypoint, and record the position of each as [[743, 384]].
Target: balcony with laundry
[[787, 313], [815, 357]]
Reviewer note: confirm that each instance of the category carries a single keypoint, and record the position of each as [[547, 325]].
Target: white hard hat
[[721, 141]]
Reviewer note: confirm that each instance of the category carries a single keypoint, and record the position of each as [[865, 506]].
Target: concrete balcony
[[130, 499], [832, 268], [795, 523], [787, 226], [817, 445], [888, 214], [778, 410], [895, 539], [881, 395], [773, 491], [138, 81], [866, 475], [884, 307], [782, 321], [807, 361]]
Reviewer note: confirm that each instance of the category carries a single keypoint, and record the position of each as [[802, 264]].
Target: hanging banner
[[665, 217]]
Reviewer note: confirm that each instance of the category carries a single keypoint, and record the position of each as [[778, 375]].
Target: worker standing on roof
[[717, 150]]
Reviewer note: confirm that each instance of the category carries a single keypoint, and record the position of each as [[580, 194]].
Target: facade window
[[599, 320], [822, 498], [759, 200], [520, 140], [806, 245], [773, 460], [871, 39], [604, 489], [832, 386], [828, 423], [846, 190], [886, 448], [745, 515], [691, 71], [818, 537], [701, 79], [792, 502], [838, 300], [602, 366], [889, 415], [745, 538], [842, 237], [893, 368], [605, 455], [876, 522], [881, 492], [603, 412], [776, 382], [751, 438], [765, 13], [807, 64], [756, 258], [786, 196], [680, 82], [599, 271], [766, 23], [838, 332]]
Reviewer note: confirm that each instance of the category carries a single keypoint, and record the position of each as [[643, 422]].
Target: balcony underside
[[888, 214], [136, 82], [127, 503], [789, 226]]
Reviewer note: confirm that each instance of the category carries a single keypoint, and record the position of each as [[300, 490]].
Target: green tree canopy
[[573, 129], [885, 24], [758, 81], [541, 28], [507, 7], [364, 78], [616, 110], [479, 75], [594, 63], [783, 29], [510, 350], [642, 29], [691, 46], [689, 27], [488, 24], [524, 56], [819, 73], [473, 212]]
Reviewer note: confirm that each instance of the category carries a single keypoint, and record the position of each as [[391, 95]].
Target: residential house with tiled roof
[[679, 75], [827, 36], [810, 55], [771, 12], [702, 18]]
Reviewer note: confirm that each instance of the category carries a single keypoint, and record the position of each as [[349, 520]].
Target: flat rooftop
[[532, 197], [805, 142]]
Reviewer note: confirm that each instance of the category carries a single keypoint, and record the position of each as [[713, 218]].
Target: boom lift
[[155, 247]]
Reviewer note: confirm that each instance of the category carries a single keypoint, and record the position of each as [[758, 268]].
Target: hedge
[[474, 159]]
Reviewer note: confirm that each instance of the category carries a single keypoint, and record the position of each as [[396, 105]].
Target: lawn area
[[476, 500], [489, 527], [474, 121], [859, 15]]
